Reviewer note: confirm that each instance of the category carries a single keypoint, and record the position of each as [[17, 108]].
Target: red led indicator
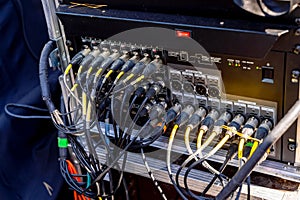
[[183, 33]]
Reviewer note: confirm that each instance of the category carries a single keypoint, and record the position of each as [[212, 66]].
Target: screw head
[[297, 32]]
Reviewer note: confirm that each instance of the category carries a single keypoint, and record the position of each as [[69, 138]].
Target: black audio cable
[[231, 153], [129, 91], [103, 67], [136, 70], [125, 68], [94, 65], [87, 60], [154, 130], [183, 118], [154, 113], [193, 122], [115, 66], [156, 184], [234, 125], [129, 65], [217, 129], [152, 91], [45, 88], [193, 165], [262, 131], [150, 69], [75, 60], [80, 55], [61, 125], [139, 92], [114, 162], [114, 61]]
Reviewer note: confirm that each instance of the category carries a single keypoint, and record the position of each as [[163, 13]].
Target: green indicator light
[[236, 64], [229, 64], [257, 67]]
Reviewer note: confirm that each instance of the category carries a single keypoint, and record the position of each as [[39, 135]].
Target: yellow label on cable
[[74, 87], [68, 69], [172, 135], [119, 75], [79, 70], [98, 72], [254, 147], [109, 73], [241, 148], [89, 112], [128, 78], [83, 103], [137, 80], [89, 71]]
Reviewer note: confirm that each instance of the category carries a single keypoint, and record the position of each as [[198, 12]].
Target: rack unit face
[[268, 66], [258, 51]]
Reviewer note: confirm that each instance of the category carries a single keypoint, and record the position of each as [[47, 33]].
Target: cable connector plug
[[264, 128], [157, 110], [118, 64], [90, 57], [80, 55], [184, 116], [152, 67], [139, 67], [99, 59], [142, 89], [155, 89], [235, 124], [109, 60], [172, 113], [250, 126], [197, 117], [130, 63], [209, 120]]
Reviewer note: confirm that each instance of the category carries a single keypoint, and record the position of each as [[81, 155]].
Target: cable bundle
[[117, 99]]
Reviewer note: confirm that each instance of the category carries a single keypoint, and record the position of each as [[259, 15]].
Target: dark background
[[28, 153]]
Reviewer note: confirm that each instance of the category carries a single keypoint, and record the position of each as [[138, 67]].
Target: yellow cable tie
[[68, 69], [241, 134]]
